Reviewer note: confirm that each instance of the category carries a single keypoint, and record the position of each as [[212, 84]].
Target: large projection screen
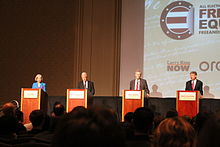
[[179, 37]]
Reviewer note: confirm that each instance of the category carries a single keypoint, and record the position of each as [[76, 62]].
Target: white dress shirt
[[137, 81], [194, 83], [85, 83]]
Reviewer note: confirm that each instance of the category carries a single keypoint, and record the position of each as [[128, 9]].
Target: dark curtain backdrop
[[59, 38]]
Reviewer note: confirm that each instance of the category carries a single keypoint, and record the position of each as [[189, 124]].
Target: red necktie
[[136, 85], [193, 85]]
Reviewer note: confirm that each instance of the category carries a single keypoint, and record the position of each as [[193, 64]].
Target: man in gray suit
[[139, 84]]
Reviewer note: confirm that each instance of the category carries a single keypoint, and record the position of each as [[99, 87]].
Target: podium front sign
[[31, 94], [187, 96], [76, 97], [135, 95], [76, 94]]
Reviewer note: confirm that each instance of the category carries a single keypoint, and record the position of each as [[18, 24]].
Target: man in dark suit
[[139, 84], [86, 84], [194, 84]]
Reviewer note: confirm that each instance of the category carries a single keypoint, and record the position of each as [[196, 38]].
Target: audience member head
[[37, 118], [79, 112], [9, 109], [129, 117], [200, 120], [143, 119], [55, 104], [59, 110], [209, 134], [94, 129], [108, 115], [8, 120], [171, 113], [174, 132]]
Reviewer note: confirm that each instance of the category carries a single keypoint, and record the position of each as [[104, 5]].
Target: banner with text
[[182, 36]]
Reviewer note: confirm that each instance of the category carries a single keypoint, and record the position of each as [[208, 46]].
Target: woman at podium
[[44, 96], [39, 83]]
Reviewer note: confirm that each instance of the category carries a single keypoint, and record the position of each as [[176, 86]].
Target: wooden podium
[[187, 103], [131, 100], [30, 100], [76, 97]]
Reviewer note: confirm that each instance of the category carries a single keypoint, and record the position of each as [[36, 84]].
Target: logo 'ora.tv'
[[177, 20]]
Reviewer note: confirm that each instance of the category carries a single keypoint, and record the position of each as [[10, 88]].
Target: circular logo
[[177, 20]]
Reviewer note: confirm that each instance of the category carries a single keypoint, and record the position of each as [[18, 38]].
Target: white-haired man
[[139, 84]]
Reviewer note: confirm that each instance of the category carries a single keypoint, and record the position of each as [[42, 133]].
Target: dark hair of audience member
[[174, 132], [56, 103], [78, 112], [96, 127], [199, 120], [9, 109], [37, 118], [171, 113], [8, 122], [209, 134], [59, 110], [143, 120], [129, 117]]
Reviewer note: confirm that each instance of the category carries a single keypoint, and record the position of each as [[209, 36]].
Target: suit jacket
[[90, 89], [42, 86], [198, 86], [143, 85]]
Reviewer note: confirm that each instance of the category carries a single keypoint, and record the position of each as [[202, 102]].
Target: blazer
[[42, 86], [90, 89], [143, 85], [198, 86]]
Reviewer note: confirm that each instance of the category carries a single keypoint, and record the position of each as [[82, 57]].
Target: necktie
[[193, 85], [137, 85], [85, 84]]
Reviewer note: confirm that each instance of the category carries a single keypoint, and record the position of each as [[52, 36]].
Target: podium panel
[[187, 103], [131, 100], [30, 100], [76, 97]]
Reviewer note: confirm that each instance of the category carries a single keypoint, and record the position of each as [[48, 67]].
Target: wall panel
[[59, 38]]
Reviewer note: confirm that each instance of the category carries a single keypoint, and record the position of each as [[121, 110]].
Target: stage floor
[[159, 105]]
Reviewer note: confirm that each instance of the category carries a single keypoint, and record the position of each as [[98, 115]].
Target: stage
[[160, 105]]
